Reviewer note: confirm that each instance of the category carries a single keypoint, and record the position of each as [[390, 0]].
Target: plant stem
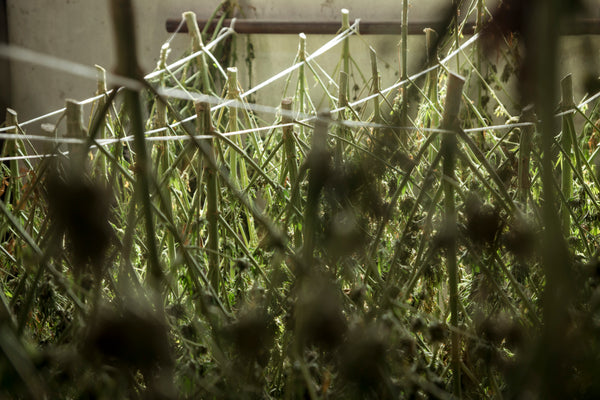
[[346, 43], [404, 41], [318, 163], [99, 107], [404, 90], [197, 45], [212, 197], [127, 65], [451, 123], [525, 146], [11, 148], [558, 291], [456, 4], [343, 130], [75, 130], [567, 143], [375, 85], [289, 144]]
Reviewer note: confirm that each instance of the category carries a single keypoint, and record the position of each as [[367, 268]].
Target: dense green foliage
[[385, 249]]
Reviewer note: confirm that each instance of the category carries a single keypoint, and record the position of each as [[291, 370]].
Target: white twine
[[26, 55]]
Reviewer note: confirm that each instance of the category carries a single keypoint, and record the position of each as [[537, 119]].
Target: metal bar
[[589, 26]]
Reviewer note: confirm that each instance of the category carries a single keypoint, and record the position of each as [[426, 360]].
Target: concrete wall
[[81, 31], [5, 80]]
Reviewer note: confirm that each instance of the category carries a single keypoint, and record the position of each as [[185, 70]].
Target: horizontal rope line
[[106, 142], [219, 102]]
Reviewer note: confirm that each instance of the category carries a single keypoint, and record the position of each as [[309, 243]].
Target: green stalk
[[318, 163], [238, 168], [487, 166], [567, 144], [291, 165], [404, 41], [101, 89], [456, 4], [289, 143], [424, 192], [11, 148], [161, 108], [525, 146], [479, 51], [449, 148], [432, 76], [346, 43], [212, 196], [127, 65], [98, 107], [559, 289], [302, 78], [387, 217], [278, 238], [404, 76], [375, 85], [160, 121], [197, 45], [232, 93], [343, 130], [75, 130], [432, 117]]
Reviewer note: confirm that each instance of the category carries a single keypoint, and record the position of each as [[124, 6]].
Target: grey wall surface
[[81, 31], [5, 80]]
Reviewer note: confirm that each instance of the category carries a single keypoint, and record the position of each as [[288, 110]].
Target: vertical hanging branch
[[375, 86], [404, 41], [204, 124], [127, 65], [450, 123], [456, 9], [404, 76], [559, 289], [525, 146], [318, 164], [301, 77], [193, 29], [75, 130], [233, 94], [101, 90], [99, 106], [432, 77], [343, 130], [161, 106], [164, 159], [479, 50], [197, 45], [567, 144], [289, 145], [11, 148], [343, 86], [346, 43], [288, 141], [236, 164]]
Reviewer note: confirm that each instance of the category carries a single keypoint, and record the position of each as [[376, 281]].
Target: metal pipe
[[589, 26]]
